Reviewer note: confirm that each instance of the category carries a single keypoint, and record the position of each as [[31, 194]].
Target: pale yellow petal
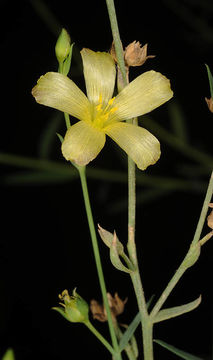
[[82, 143], [59, 92], [139, 144], [99, 73], [142, 95]]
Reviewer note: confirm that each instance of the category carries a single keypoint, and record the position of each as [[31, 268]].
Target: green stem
[[128, 349], [180, 271], [135, 276], [100, 337], [204, 211], [178, 274], [82, 173], [67, 120], [147, 325], [116, 38]]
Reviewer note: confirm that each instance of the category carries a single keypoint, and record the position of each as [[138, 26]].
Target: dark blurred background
[[45, 243]]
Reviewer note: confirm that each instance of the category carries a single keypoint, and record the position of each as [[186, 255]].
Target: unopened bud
[[62, 47]]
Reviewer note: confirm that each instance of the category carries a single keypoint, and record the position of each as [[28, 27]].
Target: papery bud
[[210, 217], [62, 47], [135, 54], [209, 103], [116, 307], [75, 309]]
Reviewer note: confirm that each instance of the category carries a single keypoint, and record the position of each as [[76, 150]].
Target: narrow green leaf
[[9, 355], [60, 137], [149, 302], [132, 327], [169, 313], [182, 354], [210, 80], [129, 331], [134, 346]]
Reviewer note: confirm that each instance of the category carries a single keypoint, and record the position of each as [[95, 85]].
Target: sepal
[[107, 238], [116, 250], [67, 62], [74, 308], [115, 259]]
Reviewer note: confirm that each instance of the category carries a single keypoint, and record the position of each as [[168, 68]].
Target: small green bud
[[75, 309], [62, 47], [9, 355]]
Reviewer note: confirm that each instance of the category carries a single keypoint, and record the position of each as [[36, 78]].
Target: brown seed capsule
[[210, 103], [135, 54], [210, 217], [116, 306]]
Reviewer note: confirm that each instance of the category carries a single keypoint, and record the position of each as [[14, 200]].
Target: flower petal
[[137, 142], [142, 95], [99, 73], [59, 92], [82, 143]]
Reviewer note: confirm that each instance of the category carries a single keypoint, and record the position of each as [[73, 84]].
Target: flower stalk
[[100, 337], [82, 173]]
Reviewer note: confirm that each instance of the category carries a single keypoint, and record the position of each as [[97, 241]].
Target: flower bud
[[75, 309], [62, 47]]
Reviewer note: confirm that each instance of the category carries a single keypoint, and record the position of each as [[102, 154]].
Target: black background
[[45, 244]]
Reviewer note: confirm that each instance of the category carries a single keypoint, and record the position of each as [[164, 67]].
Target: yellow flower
[[100, 114]]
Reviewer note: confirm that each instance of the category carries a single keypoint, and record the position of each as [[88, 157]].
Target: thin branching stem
[[135, 276]]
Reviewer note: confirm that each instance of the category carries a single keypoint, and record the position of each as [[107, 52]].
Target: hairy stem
[[135, 276], [116, 38], [204, 211]]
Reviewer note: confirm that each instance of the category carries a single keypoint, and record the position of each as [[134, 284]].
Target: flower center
[[102, 113]]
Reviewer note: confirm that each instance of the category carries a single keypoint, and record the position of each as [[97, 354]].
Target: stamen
[[110, 102], [102, 112]]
